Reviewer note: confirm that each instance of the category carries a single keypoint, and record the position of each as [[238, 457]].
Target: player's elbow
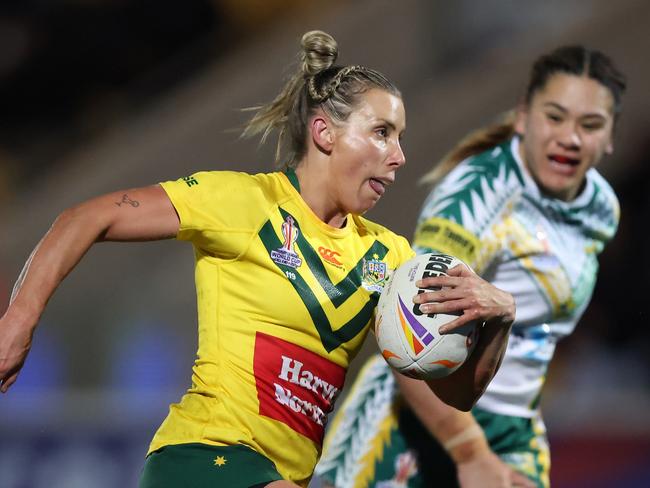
[[81, 219], [69, 218]]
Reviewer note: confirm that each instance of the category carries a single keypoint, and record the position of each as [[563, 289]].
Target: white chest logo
[[286, 255]]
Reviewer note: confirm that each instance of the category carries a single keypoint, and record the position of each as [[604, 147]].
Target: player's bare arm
[[141, 214], [478, 370], [480, 301]]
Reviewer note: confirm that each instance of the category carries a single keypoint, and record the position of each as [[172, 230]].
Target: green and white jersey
[[489, 212]]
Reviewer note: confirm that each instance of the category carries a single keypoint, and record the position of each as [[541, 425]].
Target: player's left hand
[[464, 292]]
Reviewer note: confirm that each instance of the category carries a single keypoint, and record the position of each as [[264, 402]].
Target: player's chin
[[363, 202], [366, 205]]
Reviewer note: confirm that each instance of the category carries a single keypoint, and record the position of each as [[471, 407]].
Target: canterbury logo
[[329, 255]]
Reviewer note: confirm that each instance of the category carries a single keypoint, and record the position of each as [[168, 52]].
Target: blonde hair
[[317, 83]]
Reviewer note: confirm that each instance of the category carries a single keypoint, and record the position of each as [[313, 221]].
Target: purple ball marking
[[419, 329]]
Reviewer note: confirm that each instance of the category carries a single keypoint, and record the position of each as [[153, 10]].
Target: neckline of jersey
[[294, 190]]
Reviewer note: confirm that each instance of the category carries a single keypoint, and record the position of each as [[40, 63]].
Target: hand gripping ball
[[409, 339]]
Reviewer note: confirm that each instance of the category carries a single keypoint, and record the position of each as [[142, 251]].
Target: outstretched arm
[[141, 214]]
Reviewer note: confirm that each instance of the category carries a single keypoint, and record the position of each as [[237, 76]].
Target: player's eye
[[593, 125], [554, 117]]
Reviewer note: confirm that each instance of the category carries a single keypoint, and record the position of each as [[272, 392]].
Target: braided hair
[[318, 83]]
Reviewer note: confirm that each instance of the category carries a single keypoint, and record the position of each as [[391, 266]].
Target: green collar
[[293, 178]]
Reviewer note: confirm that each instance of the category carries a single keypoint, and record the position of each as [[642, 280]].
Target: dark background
[[98, 95]]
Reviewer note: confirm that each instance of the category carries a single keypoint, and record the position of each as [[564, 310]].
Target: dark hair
[[573, 60], [318, 83], [579, 61]]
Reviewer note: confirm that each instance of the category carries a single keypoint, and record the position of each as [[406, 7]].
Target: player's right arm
[[142, 214]]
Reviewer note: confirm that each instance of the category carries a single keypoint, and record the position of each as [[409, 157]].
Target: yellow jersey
[[284, 304]]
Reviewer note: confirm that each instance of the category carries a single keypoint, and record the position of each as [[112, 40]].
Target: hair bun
[[319, 52]]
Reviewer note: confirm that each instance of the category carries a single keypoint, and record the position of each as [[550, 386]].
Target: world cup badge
[[374, 274], [286, 255]]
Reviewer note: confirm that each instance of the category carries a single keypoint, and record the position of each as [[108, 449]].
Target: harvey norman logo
[[295, 386]]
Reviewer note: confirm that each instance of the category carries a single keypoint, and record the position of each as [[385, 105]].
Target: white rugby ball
[[409, 340]]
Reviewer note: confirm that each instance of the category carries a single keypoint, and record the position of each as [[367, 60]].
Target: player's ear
[[521, 114], [322, 133]]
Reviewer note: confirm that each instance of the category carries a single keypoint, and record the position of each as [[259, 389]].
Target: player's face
[[367, 153], [566, 129]]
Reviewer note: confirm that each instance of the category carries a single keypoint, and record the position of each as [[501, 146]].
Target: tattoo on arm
[[128, 201]]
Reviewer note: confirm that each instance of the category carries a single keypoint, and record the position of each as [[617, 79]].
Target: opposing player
[[287, 273], [522, 203]]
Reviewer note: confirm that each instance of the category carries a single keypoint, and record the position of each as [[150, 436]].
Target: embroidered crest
[[374, 274], [286, 255]]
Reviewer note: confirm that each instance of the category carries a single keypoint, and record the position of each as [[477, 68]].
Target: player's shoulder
[[369, 227], [239, 183], [484, 171], [383, 234], [476, 191], [230, 177], [603, 188], [604, 202]]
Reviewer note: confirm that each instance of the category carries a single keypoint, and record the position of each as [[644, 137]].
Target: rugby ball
[[408, 339]]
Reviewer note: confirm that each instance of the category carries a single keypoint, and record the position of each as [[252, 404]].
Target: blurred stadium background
[[97, 95]]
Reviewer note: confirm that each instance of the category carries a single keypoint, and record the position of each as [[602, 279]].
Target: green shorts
[[206, 466], [520, 442]]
